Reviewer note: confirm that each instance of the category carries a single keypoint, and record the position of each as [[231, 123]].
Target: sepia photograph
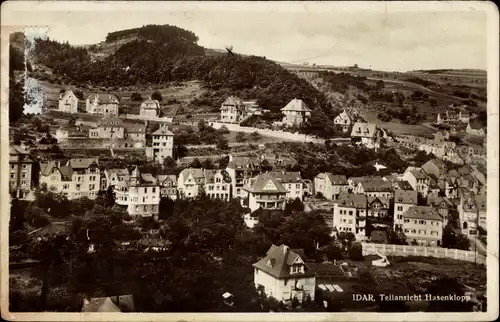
[[249, 161]]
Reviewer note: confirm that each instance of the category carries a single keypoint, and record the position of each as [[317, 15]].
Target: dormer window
[[294, 269]]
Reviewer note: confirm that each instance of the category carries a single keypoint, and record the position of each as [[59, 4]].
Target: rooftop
[[422, 212], [296, 105], [358, 201], [406, 196], [278, 261], [367, 130]]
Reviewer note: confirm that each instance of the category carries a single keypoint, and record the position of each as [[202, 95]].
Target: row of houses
[[103, 104]]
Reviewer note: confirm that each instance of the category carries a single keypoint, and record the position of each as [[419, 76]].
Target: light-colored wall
[[68, 103], [81, 185], [20, 175], [424, 231], [281, 290], [345, 219], [143, 200], [399, 209], [255, 201], [165, 145]]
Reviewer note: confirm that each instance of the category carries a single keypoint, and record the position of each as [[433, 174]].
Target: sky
[[378, 36]]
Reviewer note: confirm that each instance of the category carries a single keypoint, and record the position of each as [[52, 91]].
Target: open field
[[395, 127]]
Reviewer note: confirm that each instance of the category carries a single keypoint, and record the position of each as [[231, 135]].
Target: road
[[476, 244]]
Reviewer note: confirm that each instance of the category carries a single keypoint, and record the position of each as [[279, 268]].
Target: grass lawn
[[232, 137], [395, 127]]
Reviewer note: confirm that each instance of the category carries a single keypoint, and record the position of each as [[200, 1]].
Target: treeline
[[155, 33], [179, 58]]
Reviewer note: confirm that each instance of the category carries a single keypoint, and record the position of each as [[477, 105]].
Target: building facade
[[330, 186], [423, 225], [68, 102], [295, 112], [232, 110], [20, 166], [190, 182], [241, 170], [403, 200], [109, 127], [162, 145], [349, 213], [265, 192], [150, 108], [102, 104], [217, 184], [168, 186]]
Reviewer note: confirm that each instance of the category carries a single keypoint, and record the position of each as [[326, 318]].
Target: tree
[[156, 96], [224, 130], [445, 286], [294, 205], [333, 252], [136, 97], [16, 100], [396, 236], [195, 163], [202, 125], [240, 136], [453, 239], [255, 136], [222, 144], [356, 251], [207, 164], [168, 162]]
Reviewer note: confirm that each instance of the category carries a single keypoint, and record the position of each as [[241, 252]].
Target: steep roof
[[435, 200], [164, 177], [376, 186], [366, 130], [357, 180], [210, 176], [265, 184], [385, 201], [406, 196], [150, 104], [117, 171], [418, 174], [16, 149], [404, 185], [281, 258], [163, 130], [335, 179], [296, 105], [148, 178], [358, 201], [285, 176], [195, 172], [436, 162], [103, 98], [82, 163], [233, 100], [243, 163], [422, 212]]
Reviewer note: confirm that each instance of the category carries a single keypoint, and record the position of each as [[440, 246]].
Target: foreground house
[[102, 104], [77, 178], [424, 225], [295, 112], [284, 275], [190, 182], [329, 185], [265, 192], [20, 165], [141, 194], [68, 102]]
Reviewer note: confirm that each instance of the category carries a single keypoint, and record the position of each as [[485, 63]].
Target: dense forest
[[162, 54]]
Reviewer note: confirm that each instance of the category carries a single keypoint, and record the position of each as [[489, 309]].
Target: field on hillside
[[396, 127]]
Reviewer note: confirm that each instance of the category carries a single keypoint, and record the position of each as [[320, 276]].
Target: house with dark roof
[[242, 169], [168, 185], [441, 204], [295, 112], [375, 188], [79, 177], [20, 166], [418, 180], [284, 275], [424, 225], [232, 110], [349, 213], [266, 192], [330, 185], [109, 127], [403, 200], [367, 133], [217, 184], [113, 176], [102, 104], [162, 144], [378, 211], [291, 181], [343, 121], [434, 167]]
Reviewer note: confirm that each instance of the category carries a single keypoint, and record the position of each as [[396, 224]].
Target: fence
[[287, 136], [439, 252]]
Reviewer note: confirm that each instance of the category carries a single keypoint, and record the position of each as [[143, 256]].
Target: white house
[[295, 112], [150, 108], [265, 192], [190, 182], [217, 184], [424, 225], [367, 133], [68, 102], [162, 144], [468, 213], [403, 200], [291, 181], [418, 180], [109, 127], [102, 104], [349, 213], [376, 188], [343, 120], [284, 275], [114, 176], [168, 185], [141, 194], [77, 178], [232, 110], [329, 185], [241, 169]]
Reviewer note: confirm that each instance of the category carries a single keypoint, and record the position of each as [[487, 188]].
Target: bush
[[136, 97], [356, 252], [156, 96]]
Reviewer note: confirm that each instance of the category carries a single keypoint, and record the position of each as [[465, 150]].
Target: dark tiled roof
[[82, 163], [405, 196], [284, 176], [384, 201], [296, 105], [280, 258], [335, 179], [376, 186], [244, 163], [366, 130], [422, 212], [259, 183], [358, 201]]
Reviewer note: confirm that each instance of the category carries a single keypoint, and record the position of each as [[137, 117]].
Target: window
[[297, 186], [407, 220], [350, 212], [400, 216], [422, 222], [12, 176], [24, 166], [350, 221]]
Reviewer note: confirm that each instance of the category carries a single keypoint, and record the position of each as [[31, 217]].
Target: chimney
[[285, 249], [230, 157]]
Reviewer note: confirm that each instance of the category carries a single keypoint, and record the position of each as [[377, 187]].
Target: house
[[20, 167], [265, 192], [481, 209], [343, 121], [434, 167], [375, 188], [242, 169], [451, 117], [353, 182], [217, 184], [418, 180], [451, 155], [349, 213], [135, 134], [378, 211], [120, 303], [141, 194], [232, 110], [308, 187], [162, 144], [284, 275], [441, 204], [468, 213], [424, 225], [168, 186], [68, 102], [77, 178], [329, 185], [150, 108], [475, 128], [441, 136], [190, 182], [403, 200], [115, 175], [291, 181], [102, 104], [109, 127], [366, 133], [295, 112], [438, 149]]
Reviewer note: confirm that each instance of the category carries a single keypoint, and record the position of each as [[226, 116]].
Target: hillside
[[159, 56]]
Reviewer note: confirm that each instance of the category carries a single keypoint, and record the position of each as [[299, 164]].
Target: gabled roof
[[210, 176], [404, 185], [422, 212], [335, 179], [166, 177], [265, 184], [384, 201], [233, 100], [434, 200], [418, 174], [357, 180], [117, 171], [162, 130], [67, 92], [406, 196], [103, 98], [16, 150], [358, 201], [376, 186], [278, 261], [148, 178], [134, 128], [110, 120], [285, 176], [366, 130], [244, 163], [150, 104], [195, 172], [122, 303], [82, 163], [296, 105]]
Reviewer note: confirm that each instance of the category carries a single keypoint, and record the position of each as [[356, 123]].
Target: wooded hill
[[161, 54]]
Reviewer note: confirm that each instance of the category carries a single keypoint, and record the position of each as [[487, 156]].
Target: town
[[122, 203]]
